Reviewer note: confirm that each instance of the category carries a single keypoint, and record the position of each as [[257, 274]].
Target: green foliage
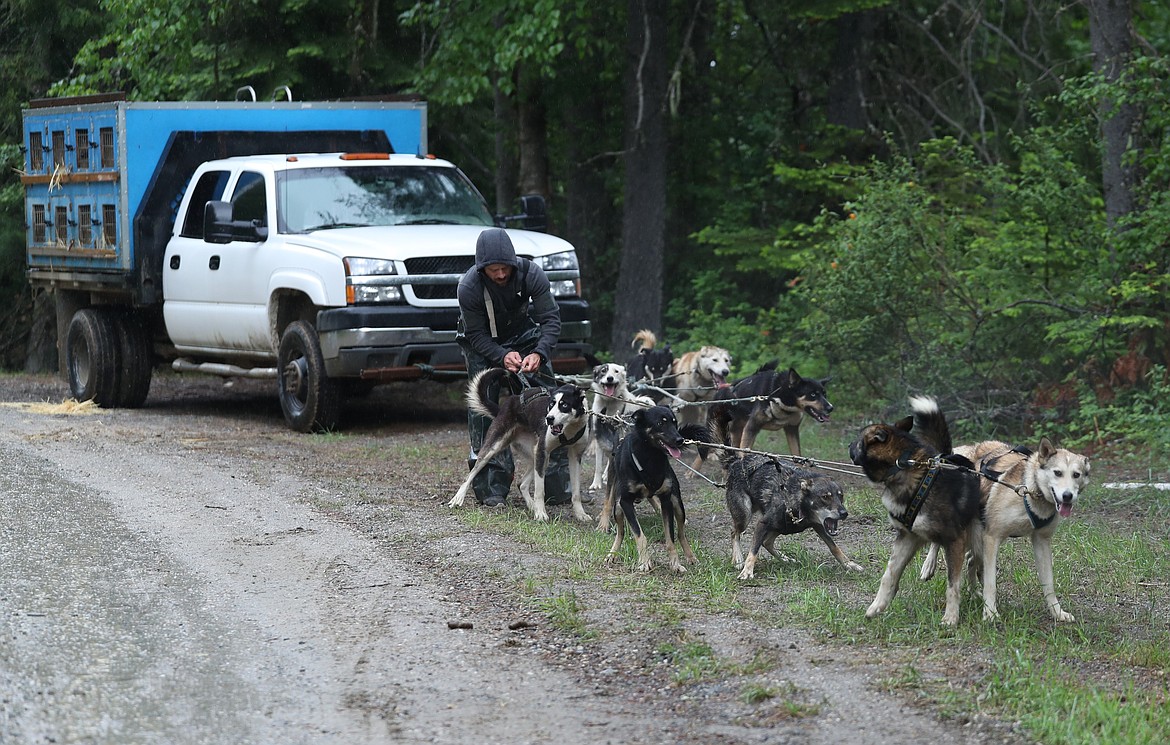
[[474, 46], [948, 275], [1136, 416]]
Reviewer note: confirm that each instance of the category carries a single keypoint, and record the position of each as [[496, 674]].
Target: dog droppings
[[459, 624]]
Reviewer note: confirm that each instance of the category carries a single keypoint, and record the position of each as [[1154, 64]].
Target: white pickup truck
[[328, 272]]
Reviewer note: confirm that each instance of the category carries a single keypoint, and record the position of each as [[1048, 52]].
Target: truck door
[[216, 295]]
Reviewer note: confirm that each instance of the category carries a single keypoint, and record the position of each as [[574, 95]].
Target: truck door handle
[[213, 263], [175, 261]]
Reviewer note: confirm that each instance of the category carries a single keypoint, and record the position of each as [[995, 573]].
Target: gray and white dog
[[612, 400]]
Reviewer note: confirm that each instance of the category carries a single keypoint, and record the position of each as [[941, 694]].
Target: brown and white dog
[[931, 495], [1050, 479], [696, 376], [534, 424]]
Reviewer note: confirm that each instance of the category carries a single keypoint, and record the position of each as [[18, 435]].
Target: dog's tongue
[[674, 452], [1064, 508], [720, 381], [610, 389]]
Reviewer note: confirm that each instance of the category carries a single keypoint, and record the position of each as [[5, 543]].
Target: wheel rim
[[81, 364], [296, 375]]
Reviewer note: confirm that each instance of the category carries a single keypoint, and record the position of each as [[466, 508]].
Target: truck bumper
[[374, 344]]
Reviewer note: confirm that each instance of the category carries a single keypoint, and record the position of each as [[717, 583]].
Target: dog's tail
[[698, 433], [719, 428], [479, 398], [930, 424], [644, 339]]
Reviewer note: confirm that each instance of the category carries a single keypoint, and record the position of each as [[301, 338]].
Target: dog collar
[[570, 440], [908, 517], [1037, 521]]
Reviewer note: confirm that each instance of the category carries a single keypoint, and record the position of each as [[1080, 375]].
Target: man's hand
[[513, 362]]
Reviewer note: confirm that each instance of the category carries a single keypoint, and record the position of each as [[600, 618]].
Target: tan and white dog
[[696, 376], [1050, 481], [611, 398]]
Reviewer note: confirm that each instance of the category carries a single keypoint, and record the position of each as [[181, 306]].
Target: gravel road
[[191, 572]]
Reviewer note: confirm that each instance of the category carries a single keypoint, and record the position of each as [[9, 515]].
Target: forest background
[[966, 198]]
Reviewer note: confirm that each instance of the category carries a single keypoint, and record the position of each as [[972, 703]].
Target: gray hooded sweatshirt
[[522, 305]]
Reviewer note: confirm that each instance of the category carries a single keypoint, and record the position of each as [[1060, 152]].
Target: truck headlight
[[365, 281], [554, 265]]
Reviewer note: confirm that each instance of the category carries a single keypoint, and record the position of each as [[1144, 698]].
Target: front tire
[[310, 400], [92, 357]]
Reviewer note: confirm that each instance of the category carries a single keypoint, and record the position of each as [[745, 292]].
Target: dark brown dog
[[932, 496], [784, 398]]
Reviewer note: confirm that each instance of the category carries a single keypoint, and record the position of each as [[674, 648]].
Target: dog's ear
[[1047, 449], [793, 376], [598, 371], [905, 424], [959, 461], [825, 381]]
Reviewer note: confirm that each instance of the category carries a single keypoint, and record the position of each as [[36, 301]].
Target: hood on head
[[494, 247]]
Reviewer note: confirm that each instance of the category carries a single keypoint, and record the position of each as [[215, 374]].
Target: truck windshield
[[360, 196]]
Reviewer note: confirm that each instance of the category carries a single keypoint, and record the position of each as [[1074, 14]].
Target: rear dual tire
[[108, 358]]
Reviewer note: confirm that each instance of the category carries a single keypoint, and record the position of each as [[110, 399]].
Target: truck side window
[[249, 201], [209, 188]]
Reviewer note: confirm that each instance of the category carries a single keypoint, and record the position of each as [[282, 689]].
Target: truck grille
[[456, 265]]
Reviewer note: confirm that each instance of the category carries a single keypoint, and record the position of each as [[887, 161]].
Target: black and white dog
[[640, 469], [611, 398], [652, 363], [533, 424]]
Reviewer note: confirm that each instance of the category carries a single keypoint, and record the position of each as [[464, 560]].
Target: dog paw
[[456, 501], [950, 619], [853, 566], [646, 567], [582, 515], [540, 517], [1062, 616], [874, 609], [747, 574]]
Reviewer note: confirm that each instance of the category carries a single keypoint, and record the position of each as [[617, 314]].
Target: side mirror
[[217, 222], [220, 227], [533, 215]]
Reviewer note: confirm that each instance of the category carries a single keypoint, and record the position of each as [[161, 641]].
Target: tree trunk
[[533, 138], [588, 210], [638, 301], [1112, 36], [846, 103], [505, 121]]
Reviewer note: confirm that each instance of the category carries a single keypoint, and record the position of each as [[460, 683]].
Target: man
[[508, 318]]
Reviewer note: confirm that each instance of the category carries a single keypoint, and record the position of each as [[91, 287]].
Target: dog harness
[[908, 517], [1037, 521]]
